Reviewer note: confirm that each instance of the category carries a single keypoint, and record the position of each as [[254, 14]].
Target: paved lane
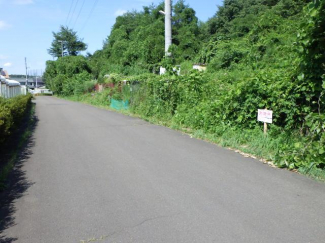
[[102, 176]]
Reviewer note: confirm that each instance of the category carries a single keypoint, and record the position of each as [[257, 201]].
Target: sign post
[[265, 116]]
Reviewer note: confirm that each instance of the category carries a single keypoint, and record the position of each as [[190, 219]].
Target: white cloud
[[8, 64], [120, 12], [23, 2], [4, 25]]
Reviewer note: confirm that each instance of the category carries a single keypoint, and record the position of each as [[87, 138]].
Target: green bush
[[12, 112], [68, 75]]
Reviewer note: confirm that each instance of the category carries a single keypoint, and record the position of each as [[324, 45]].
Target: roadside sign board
[[265, 115]]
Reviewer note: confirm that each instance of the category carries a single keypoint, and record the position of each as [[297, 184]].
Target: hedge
[[12, 112]]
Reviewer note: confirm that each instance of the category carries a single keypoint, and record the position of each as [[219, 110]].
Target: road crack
[[104, 237]]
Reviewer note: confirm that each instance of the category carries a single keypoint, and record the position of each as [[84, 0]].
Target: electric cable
[[83, 2], [74, 9], [91, 12], [66, 21]]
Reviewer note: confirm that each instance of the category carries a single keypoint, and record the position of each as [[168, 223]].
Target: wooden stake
[[265, 126]]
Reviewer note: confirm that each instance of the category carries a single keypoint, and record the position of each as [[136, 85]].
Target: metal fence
[[11, 88]]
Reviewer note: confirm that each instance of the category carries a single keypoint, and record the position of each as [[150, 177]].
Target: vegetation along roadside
[[257, 55], [16, 122]]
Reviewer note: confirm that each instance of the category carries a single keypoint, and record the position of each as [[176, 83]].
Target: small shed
[[13, 88]]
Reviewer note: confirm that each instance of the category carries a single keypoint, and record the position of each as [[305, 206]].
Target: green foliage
[[68, 75], [113, 78], [310, 151], [126, 92], [201, 101], [137, 39], [12, 112], [77, 85], [311, 70], [186, 67], [186, 33], [255, 60], [236, 18], [309, 89], [136, 42], [229, 53], [66, 41], [101, 99]]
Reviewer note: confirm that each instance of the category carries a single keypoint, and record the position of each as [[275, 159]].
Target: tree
[[66, 41], [186, 34], [63, 76]]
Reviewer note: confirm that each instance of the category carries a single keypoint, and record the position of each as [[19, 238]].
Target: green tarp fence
[[119, 104]]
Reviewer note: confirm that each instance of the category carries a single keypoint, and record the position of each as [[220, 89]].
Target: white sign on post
[[265, 116]]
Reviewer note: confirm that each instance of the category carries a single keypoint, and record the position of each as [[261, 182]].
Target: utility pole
[[26, 71], [168, 25], [61, 47]]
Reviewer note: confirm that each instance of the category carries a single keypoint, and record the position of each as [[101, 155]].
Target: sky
[[26, 26]]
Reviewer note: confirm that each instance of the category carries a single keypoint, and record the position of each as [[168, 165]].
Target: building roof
[[2, 79], [12, 82], [5, 73]]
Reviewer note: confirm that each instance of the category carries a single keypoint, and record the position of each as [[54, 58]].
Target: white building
[[10, 88]]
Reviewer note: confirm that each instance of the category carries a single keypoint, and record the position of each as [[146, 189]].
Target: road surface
[[93, 175]]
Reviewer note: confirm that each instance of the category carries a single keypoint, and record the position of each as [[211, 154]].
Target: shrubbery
[[12, 112], [70, 75]]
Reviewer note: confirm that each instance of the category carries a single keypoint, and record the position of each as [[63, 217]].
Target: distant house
[[20, 78], [31, 81]]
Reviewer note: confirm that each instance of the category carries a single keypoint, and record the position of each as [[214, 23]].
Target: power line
[[91, 12], [83, 2], [74, 9], [66, 21]]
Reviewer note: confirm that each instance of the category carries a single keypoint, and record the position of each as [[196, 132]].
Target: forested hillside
[[259, 54], [136, 42]]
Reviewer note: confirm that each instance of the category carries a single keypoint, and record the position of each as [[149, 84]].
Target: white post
[[168, 25]]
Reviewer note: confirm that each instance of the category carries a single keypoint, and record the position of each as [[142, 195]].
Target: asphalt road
[[98, 176]]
